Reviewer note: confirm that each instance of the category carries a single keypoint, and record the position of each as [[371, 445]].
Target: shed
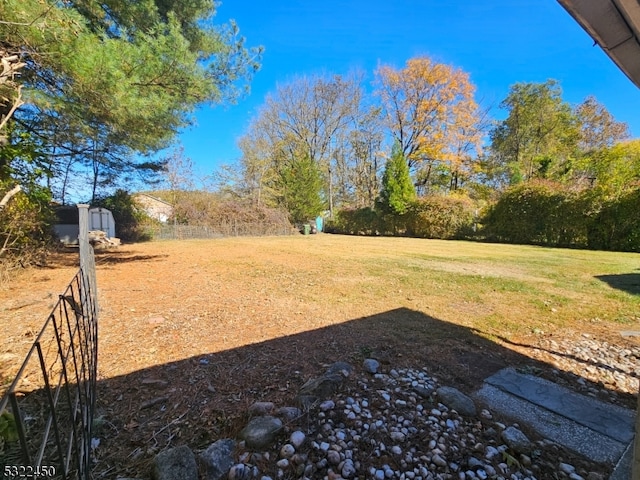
[[67, 228]]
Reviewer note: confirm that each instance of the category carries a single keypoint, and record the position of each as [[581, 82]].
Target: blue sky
[[498, 43]]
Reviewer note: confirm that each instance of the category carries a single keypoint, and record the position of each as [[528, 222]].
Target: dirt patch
[[212, 326]]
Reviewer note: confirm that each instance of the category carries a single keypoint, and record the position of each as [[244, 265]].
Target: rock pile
[[395, 425]]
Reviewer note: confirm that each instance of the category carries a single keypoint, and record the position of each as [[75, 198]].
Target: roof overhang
[[615, 26]]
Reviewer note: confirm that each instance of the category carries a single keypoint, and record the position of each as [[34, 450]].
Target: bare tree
[[322, 116]]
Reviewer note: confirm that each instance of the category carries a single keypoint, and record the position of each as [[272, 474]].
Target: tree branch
[[16, 104], [8, 195]]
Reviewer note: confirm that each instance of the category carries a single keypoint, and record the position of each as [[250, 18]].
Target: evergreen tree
[[97, 83], [398, 190], [301, 189]]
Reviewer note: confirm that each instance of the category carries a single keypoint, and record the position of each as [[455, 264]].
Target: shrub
[[361, 221], [541, 213], [25, 228], [616, 224], [429, 217], [253, 217], [438, 216]]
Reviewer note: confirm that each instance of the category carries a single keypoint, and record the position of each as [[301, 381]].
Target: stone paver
[[597, 430], [610, 420]]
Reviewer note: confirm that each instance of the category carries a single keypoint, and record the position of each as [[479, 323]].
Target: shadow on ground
[[68, 257], [628, 282], [200, 399]]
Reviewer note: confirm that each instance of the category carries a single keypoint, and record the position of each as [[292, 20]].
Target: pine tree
[[301, 189], [398, 190]]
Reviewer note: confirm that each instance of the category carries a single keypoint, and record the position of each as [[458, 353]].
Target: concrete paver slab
[[610, 420], [547, 424]]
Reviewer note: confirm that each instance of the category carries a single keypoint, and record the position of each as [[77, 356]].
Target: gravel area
[[398, 423], [393, 426], [598, 368]]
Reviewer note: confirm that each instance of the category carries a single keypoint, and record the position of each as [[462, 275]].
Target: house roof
[[615, 26], [156, 199]]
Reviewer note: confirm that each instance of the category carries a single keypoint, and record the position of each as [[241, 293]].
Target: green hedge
[[361, 221], [616, 224], [441, 217], [550, 214], [537, 213], [540, 213]]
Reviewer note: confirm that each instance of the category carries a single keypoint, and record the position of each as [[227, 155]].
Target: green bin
[[307, 229]]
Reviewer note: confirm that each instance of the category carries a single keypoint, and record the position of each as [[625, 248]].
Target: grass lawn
[[227, 322]]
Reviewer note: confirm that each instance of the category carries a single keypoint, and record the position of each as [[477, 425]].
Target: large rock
[[177, 463], [456, 400], [317, 389], [371, 365], [321, 387], [218, 458], [261, 431], [516, 440]]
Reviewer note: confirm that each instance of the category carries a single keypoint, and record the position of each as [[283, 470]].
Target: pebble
[[327, 405], [348, 469], [287, 451], [566, 468], [333, 457], [371, 365], [297, 438], [439, 461]]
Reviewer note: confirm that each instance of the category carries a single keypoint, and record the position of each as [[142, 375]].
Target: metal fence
[[223, 229], [47, 413]]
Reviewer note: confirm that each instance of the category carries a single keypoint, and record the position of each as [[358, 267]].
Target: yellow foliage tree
[[430, 110]]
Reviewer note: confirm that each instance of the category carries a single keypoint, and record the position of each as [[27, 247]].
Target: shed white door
[[102, 219]]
